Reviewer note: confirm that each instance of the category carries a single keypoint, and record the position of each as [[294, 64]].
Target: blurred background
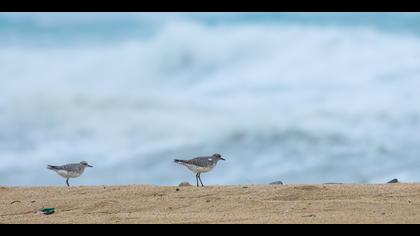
[[296, 97]]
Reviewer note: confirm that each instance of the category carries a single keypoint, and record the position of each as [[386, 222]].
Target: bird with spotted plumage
[[70, 170], [201, 165]]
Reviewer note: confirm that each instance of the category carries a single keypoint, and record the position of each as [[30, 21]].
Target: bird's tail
[[52, 167], [180, 161]]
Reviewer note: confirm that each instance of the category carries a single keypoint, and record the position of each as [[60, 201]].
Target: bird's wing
[[71, 167], [201, 161]]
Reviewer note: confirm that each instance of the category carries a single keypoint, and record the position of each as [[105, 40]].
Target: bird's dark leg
[[67, 181], [199, 177], [196, 178]]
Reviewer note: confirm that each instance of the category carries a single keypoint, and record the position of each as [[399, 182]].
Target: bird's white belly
[[197, 169], [68, 174]]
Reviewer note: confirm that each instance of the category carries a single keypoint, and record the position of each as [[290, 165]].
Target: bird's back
[[68, 167], [203, 161], [198, 161]]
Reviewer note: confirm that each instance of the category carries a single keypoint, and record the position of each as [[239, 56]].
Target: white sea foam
[[282, 102]]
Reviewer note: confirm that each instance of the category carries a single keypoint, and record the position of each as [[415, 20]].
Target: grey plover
[[70, 170], [200, 165]]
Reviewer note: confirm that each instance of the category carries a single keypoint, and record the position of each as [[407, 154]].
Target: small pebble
[[394, 181], [184, 184], [311, 215]]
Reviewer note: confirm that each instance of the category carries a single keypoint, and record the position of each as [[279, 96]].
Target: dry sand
[[390, 203]]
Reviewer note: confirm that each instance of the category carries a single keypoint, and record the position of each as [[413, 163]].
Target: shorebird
[[70, 170], [200, 165]]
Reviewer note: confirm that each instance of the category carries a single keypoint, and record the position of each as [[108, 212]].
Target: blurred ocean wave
[[294, 97]]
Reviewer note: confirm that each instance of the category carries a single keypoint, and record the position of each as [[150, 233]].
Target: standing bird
[[200, 165], [70, 170]]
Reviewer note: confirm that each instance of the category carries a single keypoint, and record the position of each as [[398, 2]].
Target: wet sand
[[388, 203]]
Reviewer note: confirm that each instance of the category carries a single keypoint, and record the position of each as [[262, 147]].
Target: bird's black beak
[[90, 166], [223, 159]]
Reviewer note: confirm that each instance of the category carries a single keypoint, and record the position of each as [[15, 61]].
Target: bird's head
[[85, 164], [218, 157]]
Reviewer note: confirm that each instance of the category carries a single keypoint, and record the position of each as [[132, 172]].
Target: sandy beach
[[388, 203]]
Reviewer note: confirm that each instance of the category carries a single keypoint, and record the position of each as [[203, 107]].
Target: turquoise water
[[72, 28], [297, 97]]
